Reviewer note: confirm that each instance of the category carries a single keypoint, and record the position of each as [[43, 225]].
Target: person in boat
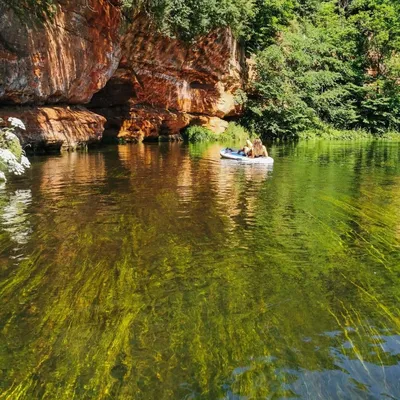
[[255, 149], [258, 149], [247, 148]]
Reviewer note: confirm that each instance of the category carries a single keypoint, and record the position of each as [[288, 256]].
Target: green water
[[162, 272]]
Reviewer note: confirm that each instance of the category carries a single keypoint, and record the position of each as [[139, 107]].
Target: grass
[[238, 133], [330, 133], [234, 132], [197, 134]]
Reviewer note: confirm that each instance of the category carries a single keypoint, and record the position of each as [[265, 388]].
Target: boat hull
[[234, 155]]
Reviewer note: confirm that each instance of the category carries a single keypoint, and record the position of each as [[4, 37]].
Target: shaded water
[[162, 272]]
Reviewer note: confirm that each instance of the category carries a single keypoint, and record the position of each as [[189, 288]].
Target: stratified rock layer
[[163, 85], [66, 60], [194, 78], [51, 129]]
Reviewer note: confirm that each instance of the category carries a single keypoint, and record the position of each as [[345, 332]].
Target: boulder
[[52, 129]]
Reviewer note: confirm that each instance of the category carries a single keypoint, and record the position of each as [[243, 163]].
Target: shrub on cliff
[[197, 133], [41, 9], [12, 158], [187, 19], [237, 133]]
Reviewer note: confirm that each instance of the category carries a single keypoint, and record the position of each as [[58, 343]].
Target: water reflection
[[60, 173], [14, 218], [160, 271]]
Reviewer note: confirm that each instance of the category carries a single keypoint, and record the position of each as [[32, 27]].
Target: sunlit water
[[163, 272]]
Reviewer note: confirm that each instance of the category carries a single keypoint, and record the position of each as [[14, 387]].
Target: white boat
[[234, 155]]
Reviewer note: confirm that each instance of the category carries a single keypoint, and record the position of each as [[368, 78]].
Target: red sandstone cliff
[[55, 128], [163, 84], [65, 61]]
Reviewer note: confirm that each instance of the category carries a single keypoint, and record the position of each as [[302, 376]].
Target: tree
[[187, 19], [41, 9], [338, 63]]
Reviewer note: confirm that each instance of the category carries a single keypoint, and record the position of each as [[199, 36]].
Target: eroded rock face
[[197, 78], [63, 61], [51, 129], [164, 84]]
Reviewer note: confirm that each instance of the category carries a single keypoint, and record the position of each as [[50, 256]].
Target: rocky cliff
[[51, 129], [163, 84], [63, 61], [147, 86]]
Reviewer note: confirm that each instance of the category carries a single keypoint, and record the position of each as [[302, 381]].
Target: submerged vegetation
[[237, 286]]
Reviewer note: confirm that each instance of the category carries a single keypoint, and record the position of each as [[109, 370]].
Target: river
[[162, 272]]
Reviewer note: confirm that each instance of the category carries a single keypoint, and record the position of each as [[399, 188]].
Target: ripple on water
[[161, 271]]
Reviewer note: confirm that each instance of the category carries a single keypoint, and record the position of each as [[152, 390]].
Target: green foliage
[[240, 97], [197, 133], [269, 17], [41, 9], [378, 31], [328, 132], [234, 133], [187, 19], [299, 81], [237, 133], [334, 64], [380, 113]]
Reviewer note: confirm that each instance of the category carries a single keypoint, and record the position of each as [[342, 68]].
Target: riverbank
[[329, 133]]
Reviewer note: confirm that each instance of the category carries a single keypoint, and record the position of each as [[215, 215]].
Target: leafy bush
[[197, 133], [236, 132], [336, 63], [328, 132], [187, 19], [12, 157], [27, 9], [380, 110], [300, 81]]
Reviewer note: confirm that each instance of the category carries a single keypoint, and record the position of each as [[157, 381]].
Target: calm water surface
[[162, 272]]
